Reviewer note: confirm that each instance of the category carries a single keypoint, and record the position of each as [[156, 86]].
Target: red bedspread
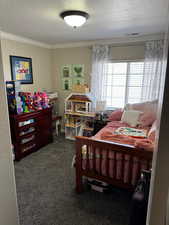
[[107, 133]]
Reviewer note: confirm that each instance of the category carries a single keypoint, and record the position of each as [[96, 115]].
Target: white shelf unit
[[71, 132]]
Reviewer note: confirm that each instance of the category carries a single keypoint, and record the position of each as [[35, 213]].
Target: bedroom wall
[[128, 52], [62, 56], [8, 202], [47, 63], [83, 55], [41, 63]]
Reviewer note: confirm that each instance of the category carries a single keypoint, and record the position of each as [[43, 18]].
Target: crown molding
[[114, 41], [13, 37]]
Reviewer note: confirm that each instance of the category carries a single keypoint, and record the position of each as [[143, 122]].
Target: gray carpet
[[46, 196]]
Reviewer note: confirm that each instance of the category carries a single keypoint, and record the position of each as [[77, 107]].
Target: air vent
[[133, 34]]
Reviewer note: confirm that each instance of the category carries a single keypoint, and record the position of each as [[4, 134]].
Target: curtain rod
[[122, 44], [126, 44], [136, 43]]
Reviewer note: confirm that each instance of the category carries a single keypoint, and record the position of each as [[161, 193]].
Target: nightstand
[[98, 125]]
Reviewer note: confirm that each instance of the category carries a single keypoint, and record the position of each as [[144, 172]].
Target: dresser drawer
[[26, 122], [27, 138], [27, 148], [27, 130]]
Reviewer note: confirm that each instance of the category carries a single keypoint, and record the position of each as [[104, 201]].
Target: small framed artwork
[[78, 81], [67, 84], [21, 69], [78, 70], [66, 71]]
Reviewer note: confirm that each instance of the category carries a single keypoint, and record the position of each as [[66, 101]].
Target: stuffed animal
[[30, 102], [24, 106], [19, 104], [37, 101], [45, 100]]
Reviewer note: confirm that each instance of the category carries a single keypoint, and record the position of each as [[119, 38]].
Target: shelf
[[78, 101], [88, 128], [70, 138], [53, 99], [72, 125], [80, 114]]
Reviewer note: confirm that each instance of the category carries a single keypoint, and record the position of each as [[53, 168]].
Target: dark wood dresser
[[31, 131]]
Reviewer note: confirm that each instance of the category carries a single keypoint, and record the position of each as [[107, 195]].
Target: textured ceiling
[[40, 21]]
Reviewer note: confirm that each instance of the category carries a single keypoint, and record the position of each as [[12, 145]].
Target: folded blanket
[[108, 136]]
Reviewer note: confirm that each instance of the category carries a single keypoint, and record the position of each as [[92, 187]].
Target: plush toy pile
[[31, 102], [23, 102]]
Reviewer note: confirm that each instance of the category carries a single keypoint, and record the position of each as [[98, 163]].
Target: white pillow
[[149, 106], [131, 117]]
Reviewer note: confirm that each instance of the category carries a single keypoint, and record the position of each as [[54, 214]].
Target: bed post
[[79, 184]]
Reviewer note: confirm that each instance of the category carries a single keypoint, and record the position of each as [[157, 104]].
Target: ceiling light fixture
[[74, 18]]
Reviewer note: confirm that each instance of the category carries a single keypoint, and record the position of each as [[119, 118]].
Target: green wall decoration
[[72, 74]]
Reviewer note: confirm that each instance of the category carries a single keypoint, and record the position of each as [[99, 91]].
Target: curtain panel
[[100, 56], [152, 70]]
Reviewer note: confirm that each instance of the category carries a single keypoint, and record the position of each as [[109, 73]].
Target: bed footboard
[[113, 163]]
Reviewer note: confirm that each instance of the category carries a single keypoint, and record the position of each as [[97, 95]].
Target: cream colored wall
[[129, 52], [62, 56], [8, 204], [41, 63], [83, 55]]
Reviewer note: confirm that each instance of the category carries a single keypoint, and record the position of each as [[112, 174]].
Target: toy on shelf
[[53, 102], [19, 105], [14, 101], [29, 102], [79, 103], [45, 100], [80, 88], [30, 105], [37, 101], [24, 106]]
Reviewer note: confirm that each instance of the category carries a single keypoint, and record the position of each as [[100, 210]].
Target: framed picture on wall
[[78, 70], [66, 84], [21, 69], [66, 71]]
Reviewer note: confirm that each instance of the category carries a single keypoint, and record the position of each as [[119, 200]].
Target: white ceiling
[[39, 19]]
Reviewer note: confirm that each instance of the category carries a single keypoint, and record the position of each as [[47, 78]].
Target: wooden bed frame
[[100, 145]]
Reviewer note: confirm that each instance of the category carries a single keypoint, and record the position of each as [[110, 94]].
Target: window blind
[[123, 83]]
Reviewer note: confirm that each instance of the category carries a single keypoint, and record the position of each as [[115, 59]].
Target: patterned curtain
[[152, 70], [100, 55]]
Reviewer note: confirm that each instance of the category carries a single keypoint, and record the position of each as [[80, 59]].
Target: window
[[122, 83]]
